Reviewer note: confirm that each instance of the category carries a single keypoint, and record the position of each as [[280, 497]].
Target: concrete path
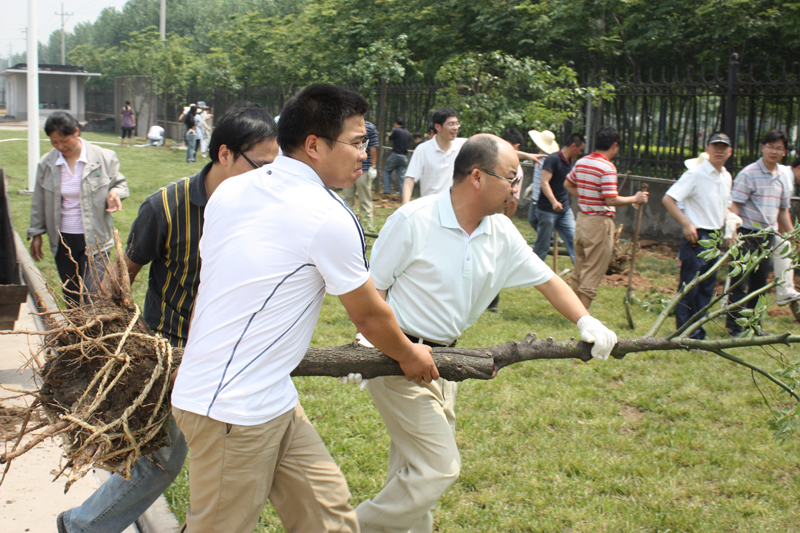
[[29, 498]]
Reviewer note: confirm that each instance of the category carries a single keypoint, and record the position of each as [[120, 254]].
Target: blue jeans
[[399, 163], [563, 223], [118, 503], [191, 147], [700, 296], [155, 142], [533, 214]]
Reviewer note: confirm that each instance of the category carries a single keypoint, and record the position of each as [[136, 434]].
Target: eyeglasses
[[251, 161], [362, 146], [772, 148], [513, 181], [451, 124]]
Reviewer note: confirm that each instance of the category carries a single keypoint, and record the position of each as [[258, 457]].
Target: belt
[[417, 340]]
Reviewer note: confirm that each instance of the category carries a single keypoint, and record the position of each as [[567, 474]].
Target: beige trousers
[[423, 457], [783, 272], [594, 242], [362, 187], [234, 469]]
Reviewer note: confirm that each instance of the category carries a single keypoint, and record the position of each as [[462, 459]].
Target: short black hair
[[416, 135], [241, 128], [127, 102], [576, 139], [400, 121], [513, 136], [776, 135], [795, 163], [442, 114], [62, 122], [605, 138], [477, 152], [319, 109], [431, 128]]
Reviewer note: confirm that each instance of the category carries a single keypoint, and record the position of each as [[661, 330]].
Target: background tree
[[493, 91]]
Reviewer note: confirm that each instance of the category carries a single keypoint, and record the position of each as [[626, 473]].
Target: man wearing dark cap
[[706, 195]]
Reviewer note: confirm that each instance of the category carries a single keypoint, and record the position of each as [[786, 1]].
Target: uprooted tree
[[104, 381]]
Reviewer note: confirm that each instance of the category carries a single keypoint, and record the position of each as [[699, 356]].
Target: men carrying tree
[[594, 182], [439, 261], [706, 195], [762, 199], [432, 162], [275, 240], [553, 208], [166, 233]]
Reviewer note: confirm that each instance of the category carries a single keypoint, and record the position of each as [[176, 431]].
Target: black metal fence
[[666, 120], [663, 119]]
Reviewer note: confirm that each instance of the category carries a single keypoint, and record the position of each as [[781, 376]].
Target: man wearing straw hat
[[546, 142], [554, 212]]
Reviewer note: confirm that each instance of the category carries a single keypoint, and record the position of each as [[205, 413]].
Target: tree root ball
[[109, 377]]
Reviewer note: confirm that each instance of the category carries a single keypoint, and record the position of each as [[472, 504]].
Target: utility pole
[[162, 24], [33, 97], [64, 17]]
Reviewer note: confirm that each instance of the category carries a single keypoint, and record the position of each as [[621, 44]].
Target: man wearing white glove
[[705, 192], [439, 261]]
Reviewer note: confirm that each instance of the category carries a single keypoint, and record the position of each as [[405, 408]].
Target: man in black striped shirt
[[166, 234]]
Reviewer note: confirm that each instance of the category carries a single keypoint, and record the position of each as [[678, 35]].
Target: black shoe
[[62, 528]]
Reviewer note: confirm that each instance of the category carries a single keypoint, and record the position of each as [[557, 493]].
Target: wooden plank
[[10, 294]]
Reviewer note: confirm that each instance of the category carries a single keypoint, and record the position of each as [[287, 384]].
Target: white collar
[[81, 158], [448, 219], [295, 166]]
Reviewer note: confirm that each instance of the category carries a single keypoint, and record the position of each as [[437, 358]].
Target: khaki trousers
[[594, 242], [234, 469], [423, 457], [362, 187]]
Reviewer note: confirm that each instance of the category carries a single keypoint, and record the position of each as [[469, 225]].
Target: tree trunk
[[458, 364]]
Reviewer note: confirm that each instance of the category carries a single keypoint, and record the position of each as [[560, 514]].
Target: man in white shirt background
[[155, 135], [705, 193], [432, 162]]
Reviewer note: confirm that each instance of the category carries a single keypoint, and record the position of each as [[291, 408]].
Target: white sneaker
[[793, 297]]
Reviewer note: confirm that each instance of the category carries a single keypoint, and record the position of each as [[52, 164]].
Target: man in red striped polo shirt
[[594, 182]]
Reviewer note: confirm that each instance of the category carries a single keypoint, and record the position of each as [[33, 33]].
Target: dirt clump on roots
[[104, 383]]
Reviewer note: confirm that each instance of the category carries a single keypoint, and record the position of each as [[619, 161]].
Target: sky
[[15, 19]]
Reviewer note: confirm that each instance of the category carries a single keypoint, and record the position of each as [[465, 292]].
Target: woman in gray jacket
[[78, 186]]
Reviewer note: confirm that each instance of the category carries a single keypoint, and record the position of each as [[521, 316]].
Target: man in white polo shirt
[[432, 162], [274, 241], [705, 192], [439, 261]]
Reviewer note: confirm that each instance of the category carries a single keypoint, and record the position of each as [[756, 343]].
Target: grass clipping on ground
[[104, 383]]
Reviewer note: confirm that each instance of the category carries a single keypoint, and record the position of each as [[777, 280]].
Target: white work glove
[[732, 223], [353, 378], [603, 338]]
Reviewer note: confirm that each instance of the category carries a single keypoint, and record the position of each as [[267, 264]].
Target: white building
[[60, 88]]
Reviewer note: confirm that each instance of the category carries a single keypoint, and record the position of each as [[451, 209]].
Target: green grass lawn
[[660, 442]]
